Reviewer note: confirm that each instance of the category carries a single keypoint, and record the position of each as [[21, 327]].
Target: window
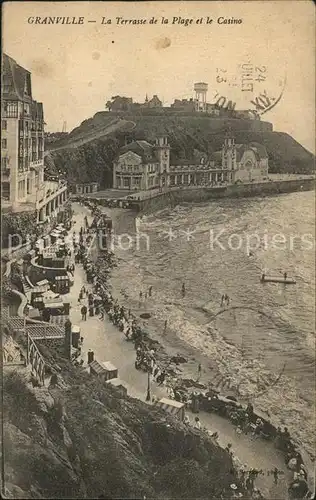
[[5, 188], [4, 124], [4, 144], [11, 109], [4, 163]]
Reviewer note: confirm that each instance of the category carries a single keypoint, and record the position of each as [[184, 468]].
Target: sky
[[76, 68]]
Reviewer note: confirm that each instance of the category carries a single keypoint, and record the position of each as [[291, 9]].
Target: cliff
[[79, 438], [87, 153]]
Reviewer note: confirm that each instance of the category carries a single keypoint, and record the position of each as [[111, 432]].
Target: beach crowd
[[97, 300]]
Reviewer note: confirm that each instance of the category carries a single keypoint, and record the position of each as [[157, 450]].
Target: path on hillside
[[111, 127], [109, 344]]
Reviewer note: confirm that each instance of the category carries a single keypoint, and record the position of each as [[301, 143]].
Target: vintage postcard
[[158, 250]]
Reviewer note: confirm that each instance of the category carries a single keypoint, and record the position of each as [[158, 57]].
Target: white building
[[244, 162], [142, 166], [22, 148]]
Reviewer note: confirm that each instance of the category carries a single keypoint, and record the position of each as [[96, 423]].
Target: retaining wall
[[36, 272], [185, 195]]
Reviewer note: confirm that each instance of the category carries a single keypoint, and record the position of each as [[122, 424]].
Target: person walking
[[101, 313], [165, 326], [90, 356], [150, 291], [199, 372], [84, 313], [183, 290], [197, 423]]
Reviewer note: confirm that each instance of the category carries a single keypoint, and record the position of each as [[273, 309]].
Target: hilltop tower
[[163, 153], [201, 89], [229, 158]]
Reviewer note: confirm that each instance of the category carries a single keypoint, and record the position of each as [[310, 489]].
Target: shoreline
[[173, 343]]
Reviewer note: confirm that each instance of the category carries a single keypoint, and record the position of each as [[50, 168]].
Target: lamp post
[[148, 397]]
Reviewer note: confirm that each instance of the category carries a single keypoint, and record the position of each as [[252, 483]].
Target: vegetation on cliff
[[187, 134], [80, 438], [16, 226]]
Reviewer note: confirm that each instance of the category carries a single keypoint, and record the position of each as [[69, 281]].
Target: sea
[[263, 340]]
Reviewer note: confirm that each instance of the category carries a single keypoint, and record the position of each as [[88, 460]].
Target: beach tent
[[172, 407]]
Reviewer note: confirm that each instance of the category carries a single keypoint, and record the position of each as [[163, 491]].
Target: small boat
[[276, 279]]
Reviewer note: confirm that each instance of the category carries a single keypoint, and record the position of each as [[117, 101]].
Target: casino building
[[142, 166], [22, 148]]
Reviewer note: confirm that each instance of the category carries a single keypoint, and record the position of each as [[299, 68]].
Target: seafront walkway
[[109, 344]]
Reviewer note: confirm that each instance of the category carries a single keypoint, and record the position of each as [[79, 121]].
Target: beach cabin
[[110, 369], [36, 292], [75, 336], [96, 368], [62, 284], [43, 283], [55, 305], [105, 370], [172, 407]]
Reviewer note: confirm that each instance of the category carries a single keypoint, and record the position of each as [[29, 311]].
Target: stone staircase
[[26, 286]]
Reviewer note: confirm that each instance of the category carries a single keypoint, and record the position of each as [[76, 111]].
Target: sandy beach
[[222, 361], [109, 344]]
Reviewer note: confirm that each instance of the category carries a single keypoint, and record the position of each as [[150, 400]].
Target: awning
[[170, 405], [53, 305], [42, 283]]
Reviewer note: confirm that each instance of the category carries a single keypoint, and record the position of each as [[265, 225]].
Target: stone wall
[[38, 273], [196, 195]]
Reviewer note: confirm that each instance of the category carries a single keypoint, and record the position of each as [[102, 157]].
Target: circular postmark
[[248, 86]]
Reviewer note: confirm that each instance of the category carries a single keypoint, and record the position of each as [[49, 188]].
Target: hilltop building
[[188, 105], [22, 148], [154, 102], [142, 166], [119, 103]]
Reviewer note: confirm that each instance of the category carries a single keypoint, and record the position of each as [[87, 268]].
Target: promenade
[[109, 344]]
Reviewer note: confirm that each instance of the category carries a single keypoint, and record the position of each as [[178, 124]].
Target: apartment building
[[22, 148]]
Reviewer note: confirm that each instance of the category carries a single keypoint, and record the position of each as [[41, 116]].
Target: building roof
[[217, 156], [96, 367], [141, 148], [258, 149], [15, 80], [169, 404], [108, 366]]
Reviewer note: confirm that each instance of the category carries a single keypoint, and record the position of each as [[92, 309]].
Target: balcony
[[36, 164]]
